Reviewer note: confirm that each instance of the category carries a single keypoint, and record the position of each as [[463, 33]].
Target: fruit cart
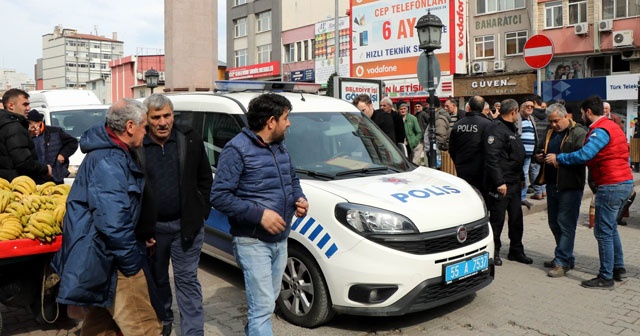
[[26, 280]]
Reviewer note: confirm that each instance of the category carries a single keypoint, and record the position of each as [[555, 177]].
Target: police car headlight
[[365, 219]]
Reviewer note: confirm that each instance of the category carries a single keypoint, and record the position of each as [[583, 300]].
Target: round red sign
[[538, 51]]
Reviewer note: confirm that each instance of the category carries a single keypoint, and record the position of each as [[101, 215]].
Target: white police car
[[382, 236]]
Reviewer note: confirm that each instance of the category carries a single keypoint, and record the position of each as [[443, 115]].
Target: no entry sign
[[538, 51]]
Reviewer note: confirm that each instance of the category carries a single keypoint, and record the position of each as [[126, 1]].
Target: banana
[[6, 236], [35, 231], [26, 180], [29, 235], [5, 185]]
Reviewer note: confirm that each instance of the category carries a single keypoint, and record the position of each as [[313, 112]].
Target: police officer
[[466, 144], [504, 177]]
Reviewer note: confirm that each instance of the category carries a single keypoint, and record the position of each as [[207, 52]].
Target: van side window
[[188, 119], [219, 128]]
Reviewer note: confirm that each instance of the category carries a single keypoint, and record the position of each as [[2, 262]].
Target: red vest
[[611, 164]]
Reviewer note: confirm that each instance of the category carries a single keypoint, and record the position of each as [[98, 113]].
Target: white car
[[382, 236]]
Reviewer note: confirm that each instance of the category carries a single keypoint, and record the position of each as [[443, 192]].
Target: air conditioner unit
[[628, 55], [581, 28], [623, 38], [498, 65], [479, 67], [605, 25]]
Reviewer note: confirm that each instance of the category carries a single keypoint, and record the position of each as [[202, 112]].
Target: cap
[[34, 115]]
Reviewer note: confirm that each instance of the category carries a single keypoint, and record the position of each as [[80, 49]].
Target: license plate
[[466, 268]]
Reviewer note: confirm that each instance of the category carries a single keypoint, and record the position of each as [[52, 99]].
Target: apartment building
[[71, 59]]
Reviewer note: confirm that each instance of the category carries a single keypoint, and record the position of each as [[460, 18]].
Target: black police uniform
[[466, 147]]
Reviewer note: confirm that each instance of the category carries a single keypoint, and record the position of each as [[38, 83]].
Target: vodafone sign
[[538, 51]]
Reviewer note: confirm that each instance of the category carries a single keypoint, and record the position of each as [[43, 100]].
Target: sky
[[139, 24]]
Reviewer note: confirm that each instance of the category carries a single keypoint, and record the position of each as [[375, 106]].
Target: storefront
[[496, 88], [410, 91]]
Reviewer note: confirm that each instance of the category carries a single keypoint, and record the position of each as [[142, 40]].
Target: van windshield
[[76, 121], [337, 145]]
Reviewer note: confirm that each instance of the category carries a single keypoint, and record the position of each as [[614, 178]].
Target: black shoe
[[527, 204], [497, 260], [521, 258], [619, 274], [530, 190], [598, 283], [622, 223], [166, 330]]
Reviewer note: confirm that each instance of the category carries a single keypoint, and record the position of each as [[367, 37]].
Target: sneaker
[[521, 258], [598, 283], [530, 190], [549, 264], [497, 260], [619, 274], [558, 271], [527, 204]]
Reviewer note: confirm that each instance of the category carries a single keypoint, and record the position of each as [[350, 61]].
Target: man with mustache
[[179, 173]]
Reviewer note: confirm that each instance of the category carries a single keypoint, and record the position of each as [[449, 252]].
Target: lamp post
[[429, 29], [151, 77]]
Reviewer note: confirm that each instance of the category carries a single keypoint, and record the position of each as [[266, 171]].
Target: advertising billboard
[[385, 42], [349, 88], [325, 49]]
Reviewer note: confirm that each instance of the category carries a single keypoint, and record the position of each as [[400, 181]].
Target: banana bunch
[[6, 197], [23, 185], [42, 226], [45, 188], [58, 214], [10, 227], [5, 185]]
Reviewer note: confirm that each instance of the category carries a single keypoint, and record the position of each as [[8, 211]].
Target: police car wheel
[[304, 299]]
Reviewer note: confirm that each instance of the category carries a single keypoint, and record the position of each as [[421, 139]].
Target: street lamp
[[429, 29], [151, 77]]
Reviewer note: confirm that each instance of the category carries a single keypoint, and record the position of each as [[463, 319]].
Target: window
[[289, 53], [484, 46], [241, 57], [264, 21], [299, 48], [106, 56], [240, 27], [306, 49], [264, 53], [577, 11], [553, 14], [620, 8], [515, 42], [492, 6], [239, 2]]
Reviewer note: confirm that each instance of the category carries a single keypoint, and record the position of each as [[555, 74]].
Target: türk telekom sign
[[385, 42], [255, 71]]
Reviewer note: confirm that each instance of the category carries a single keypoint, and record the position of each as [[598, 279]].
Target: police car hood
[[431, 199]]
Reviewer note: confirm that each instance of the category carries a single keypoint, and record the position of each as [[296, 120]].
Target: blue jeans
[[527, 180], [534, 170], [563, 210], [185, 259], [263, 265], [609, 201]]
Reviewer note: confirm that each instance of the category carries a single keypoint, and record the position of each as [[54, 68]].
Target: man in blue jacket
[[101, 259], [257, 188]]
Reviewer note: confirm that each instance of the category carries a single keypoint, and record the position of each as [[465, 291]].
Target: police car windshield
[[338, 144]]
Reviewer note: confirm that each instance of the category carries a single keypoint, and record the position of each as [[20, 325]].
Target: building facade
[[70, 59]]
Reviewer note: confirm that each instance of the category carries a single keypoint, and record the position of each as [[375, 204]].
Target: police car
[[382, 236]]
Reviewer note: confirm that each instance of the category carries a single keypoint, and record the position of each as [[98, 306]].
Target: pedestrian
[[541, 122], [565, 186], [53, 146], [496, 108], [489, 113], [606, 153], [101, 259], [260, 213], [423, 121], [179, 173], [411, 128], [612, 116], [386, 105], [526, 126], [504, 178], [17, 151], [451, 106], [383, 120], [466, 144]]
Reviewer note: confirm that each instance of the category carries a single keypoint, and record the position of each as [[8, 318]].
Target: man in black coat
[[466, 144], [383, 120], [17, 152], [53, 146], [179, 173], [504, 179]]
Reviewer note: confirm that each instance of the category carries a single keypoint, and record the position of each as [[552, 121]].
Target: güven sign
[[538, 51]]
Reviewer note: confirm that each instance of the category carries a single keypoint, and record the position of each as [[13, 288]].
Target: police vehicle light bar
[[244, 85]]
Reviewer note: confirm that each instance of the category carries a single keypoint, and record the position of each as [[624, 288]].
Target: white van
[[72, 110], [382, 236]]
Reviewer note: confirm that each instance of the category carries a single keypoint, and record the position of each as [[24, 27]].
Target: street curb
[[541, 205]]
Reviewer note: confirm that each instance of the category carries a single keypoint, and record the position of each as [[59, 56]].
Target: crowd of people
[[125, 224]]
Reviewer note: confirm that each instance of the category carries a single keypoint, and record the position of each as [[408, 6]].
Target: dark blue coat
[[251, 177], [103, 207], [56, 141]]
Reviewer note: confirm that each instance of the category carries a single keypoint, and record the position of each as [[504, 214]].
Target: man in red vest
[[606, 153]]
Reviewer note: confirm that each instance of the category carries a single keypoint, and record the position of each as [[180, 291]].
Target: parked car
[[382, 236], [72, 110]]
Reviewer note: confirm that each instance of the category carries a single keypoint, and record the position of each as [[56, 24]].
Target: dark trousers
[[510, 204], [185, 258]]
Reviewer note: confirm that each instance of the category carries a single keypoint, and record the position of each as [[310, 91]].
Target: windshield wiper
[[313, 173], [362, 171]]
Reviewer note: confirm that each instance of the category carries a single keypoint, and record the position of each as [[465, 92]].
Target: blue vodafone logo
[[426, 192]]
